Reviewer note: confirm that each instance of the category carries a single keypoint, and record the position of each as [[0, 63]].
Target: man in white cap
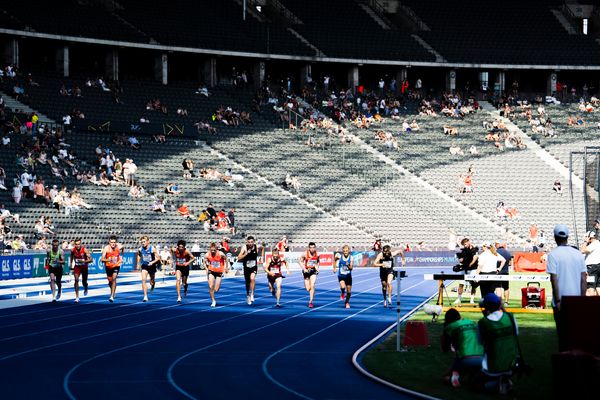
[[591, 249], [566, 266]]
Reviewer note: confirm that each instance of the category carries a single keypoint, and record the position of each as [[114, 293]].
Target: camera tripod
[[442, 290]]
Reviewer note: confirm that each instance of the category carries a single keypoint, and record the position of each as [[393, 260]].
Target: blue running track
[[161, 350]]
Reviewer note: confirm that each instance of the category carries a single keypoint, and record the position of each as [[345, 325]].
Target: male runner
[[249, 257], [111, 257], [183, 258], [274, 275], [309, 262], [215, 263], [147, 260], [80, 259], [385, 262], [54, 262], [344, 263]]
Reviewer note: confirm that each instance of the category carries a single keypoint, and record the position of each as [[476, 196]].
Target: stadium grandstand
[[416, 122]]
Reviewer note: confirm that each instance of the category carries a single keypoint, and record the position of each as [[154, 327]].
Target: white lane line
[[72, 370], [363, 371], [265, 363]]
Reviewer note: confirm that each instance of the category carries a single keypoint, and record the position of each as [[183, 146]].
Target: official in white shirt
[[488, 265], [591, 249]]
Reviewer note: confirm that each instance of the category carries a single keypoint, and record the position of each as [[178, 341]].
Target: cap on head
[[561, 231], [490, 302], [486, 243]]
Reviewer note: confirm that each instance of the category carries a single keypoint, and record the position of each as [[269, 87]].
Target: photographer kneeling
[[468, 259], [462, 335]]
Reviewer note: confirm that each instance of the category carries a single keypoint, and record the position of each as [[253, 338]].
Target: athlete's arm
[[351, 264], [243, 253], [400, 253], [226, 262], [89, 258], [47, 262], [156, 256], [190, 259], [336, 262], [377, 262], [103, 257], [138, 259], [287, 267], [266, 268]]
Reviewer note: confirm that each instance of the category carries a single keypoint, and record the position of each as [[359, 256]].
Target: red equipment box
[[533, 296]]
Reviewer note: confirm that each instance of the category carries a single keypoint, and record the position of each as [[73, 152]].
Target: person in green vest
[[498, 330], [462, 336], [55, 261]]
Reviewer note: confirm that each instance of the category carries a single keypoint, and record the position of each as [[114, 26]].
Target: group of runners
[[216, 265]]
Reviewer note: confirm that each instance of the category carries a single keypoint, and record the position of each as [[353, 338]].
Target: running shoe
[[385, 303], [76, 299], [457, 301], [111, 299], [179, 299], [252, 297], [213, 304], [454, 379], [347, 305], [85, 291], [472, 301], [54, 299], [248, 301], [145, 299], [390, 301], [278, 305], [310, 305]]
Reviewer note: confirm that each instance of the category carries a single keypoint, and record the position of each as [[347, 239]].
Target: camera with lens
[[465, 257]]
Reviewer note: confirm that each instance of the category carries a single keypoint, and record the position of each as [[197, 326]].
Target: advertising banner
[[18, 266]]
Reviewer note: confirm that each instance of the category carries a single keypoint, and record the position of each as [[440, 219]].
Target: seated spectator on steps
[[557, 187], [184, 211], [159, 206], [41, 244], [455, 150], [172, 188], [462, 337], [134, 143]]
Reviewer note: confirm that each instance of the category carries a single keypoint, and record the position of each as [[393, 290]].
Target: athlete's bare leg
[[390, 282], [252, 285], [76, 281], [313, 281], [144, 287], [211, 285], [348, 293], [343, 289], [178, 284], [52, 285], [278, 290]]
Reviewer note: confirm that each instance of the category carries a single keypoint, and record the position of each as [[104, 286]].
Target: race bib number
[[387, 264], [79, 262], [55, 264], [251, 264], [344, 270], [181, 261], [215, 264], [147, 258], [312, 263]]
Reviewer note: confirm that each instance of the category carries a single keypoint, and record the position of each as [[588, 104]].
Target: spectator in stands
[[134, 142], [77, 200], [17, 192], [455, 150], [188, 168], [184, 211], [203, 90], [18, 244], [498, 331], [136, 191], [231, 221], [461, 336], [203, 216], [557, 187], [2, 179], [533, 233], [41, 244], [211, 211], [568, 276], [159, 205], [283, 245], [172, 188]]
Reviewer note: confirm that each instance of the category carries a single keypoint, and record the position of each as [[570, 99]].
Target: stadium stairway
[[14, 104]]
